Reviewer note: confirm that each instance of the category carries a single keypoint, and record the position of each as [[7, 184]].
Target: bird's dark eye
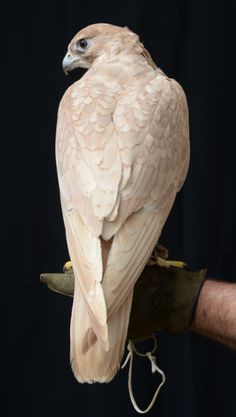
[[82, 44]]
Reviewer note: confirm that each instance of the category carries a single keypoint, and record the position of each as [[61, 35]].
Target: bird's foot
[[167, 263], [160, 257], [67, 268]]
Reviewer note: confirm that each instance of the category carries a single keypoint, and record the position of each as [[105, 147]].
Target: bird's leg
[[160, 257]]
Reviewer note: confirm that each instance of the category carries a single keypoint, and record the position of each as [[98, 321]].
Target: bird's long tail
[[89, 361]]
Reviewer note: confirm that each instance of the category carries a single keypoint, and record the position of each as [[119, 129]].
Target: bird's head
[[98, 41]]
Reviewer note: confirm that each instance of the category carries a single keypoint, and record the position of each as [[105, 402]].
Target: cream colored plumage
[[122, 151]]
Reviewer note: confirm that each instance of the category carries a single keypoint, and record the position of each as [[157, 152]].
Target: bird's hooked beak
[[69, 62]]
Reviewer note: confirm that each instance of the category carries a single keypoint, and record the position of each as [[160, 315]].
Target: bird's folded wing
[[85, 253], [131, 248]]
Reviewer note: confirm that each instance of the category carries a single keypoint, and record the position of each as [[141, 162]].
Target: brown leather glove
[[164, 299]]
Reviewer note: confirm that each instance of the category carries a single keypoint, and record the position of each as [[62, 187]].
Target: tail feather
[[89, 361]]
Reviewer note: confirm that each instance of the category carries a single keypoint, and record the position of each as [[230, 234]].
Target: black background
[[192, 41]]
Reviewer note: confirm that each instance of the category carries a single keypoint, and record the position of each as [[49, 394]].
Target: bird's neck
[[134, 63]]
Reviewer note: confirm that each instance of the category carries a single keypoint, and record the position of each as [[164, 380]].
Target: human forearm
[[215, 314]]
